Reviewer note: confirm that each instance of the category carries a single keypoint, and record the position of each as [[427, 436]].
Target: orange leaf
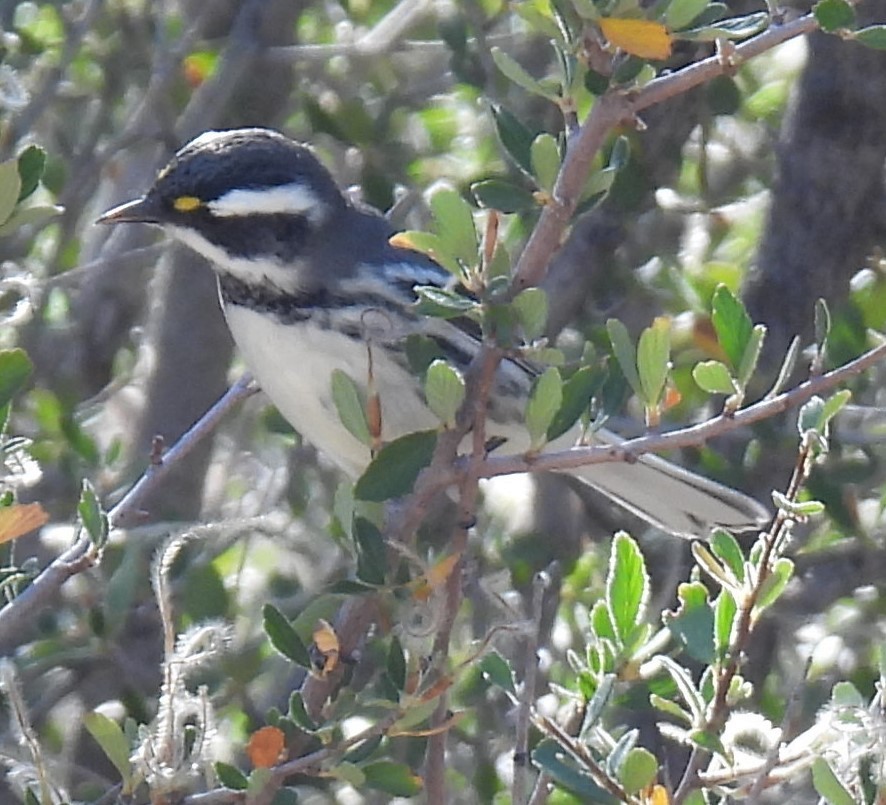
[[20, 518], [326, 642], [643, 38], [265, 747]]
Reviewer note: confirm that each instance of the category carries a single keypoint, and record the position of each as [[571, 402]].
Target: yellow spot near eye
[[187, 203]]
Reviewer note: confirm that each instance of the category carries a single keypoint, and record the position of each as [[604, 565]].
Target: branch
[[82, 554], [691, 436], [611, 110]]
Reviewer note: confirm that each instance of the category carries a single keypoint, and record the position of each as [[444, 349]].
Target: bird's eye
[[187, 203]]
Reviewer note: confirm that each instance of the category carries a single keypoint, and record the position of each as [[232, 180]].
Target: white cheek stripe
[[286, 199]]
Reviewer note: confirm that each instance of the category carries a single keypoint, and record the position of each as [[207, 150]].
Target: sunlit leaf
[[828, 785], [444, 391], [531, 306], [113, 742], [19, 519], [455, 225], [682, 12], [638, 770], [545, 157], [643, 38], [10, 188]]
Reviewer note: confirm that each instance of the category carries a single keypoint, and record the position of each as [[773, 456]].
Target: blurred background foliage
[[769, 180]]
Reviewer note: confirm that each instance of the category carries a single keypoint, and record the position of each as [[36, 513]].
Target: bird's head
[[250, 200]]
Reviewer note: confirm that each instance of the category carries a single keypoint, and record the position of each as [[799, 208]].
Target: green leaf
[[444, 391], [874, 36], [371, 552], [418, 712], [599, 183], [363, 750], [775, 583], [15, 368], [828, 785], [531, 307], [638, 770], [396, 664], [396, 779], [578, 391], [441, 303], [725, 546], [299, 713], [497, 671], [558, 763], [834, 14], [433, 246], [751, 355], [455, 225], [834, 404], [688, 692], [711, 743], [515, 72], [506, 197], [693, 623], [28, 216], [712, 566], [545, 157], [515, 138], [713, 377], [725, 610], [731, 323], [670, 708], [114, 744], [351, 406], [392, 473], [230, 776], [31, 163], [653, 359], [625, 354], [682, 12], [627, 588], [91, 515], [733, 28], [283, 637], [10, 188], [542, 406], [810, 416]]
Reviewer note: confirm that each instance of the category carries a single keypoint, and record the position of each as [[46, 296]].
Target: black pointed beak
[[141, 210]]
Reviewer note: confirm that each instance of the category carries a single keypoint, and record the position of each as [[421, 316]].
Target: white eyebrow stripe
[[286, 199]]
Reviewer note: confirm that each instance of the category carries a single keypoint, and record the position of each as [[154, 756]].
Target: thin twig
[[541, 583], [82, 554]]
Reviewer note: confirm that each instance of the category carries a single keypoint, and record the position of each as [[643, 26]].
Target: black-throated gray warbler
[[310, 283]]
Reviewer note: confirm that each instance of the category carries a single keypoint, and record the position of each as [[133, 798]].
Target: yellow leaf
[[265, 747], [643, 38], [434, 578], [20, 518], [658, 796]]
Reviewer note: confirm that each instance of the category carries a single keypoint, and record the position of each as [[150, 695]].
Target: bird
[[311, 282]]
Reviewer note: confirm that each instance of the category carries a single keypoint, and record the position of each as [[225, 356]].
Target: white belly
[[294, 365]]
